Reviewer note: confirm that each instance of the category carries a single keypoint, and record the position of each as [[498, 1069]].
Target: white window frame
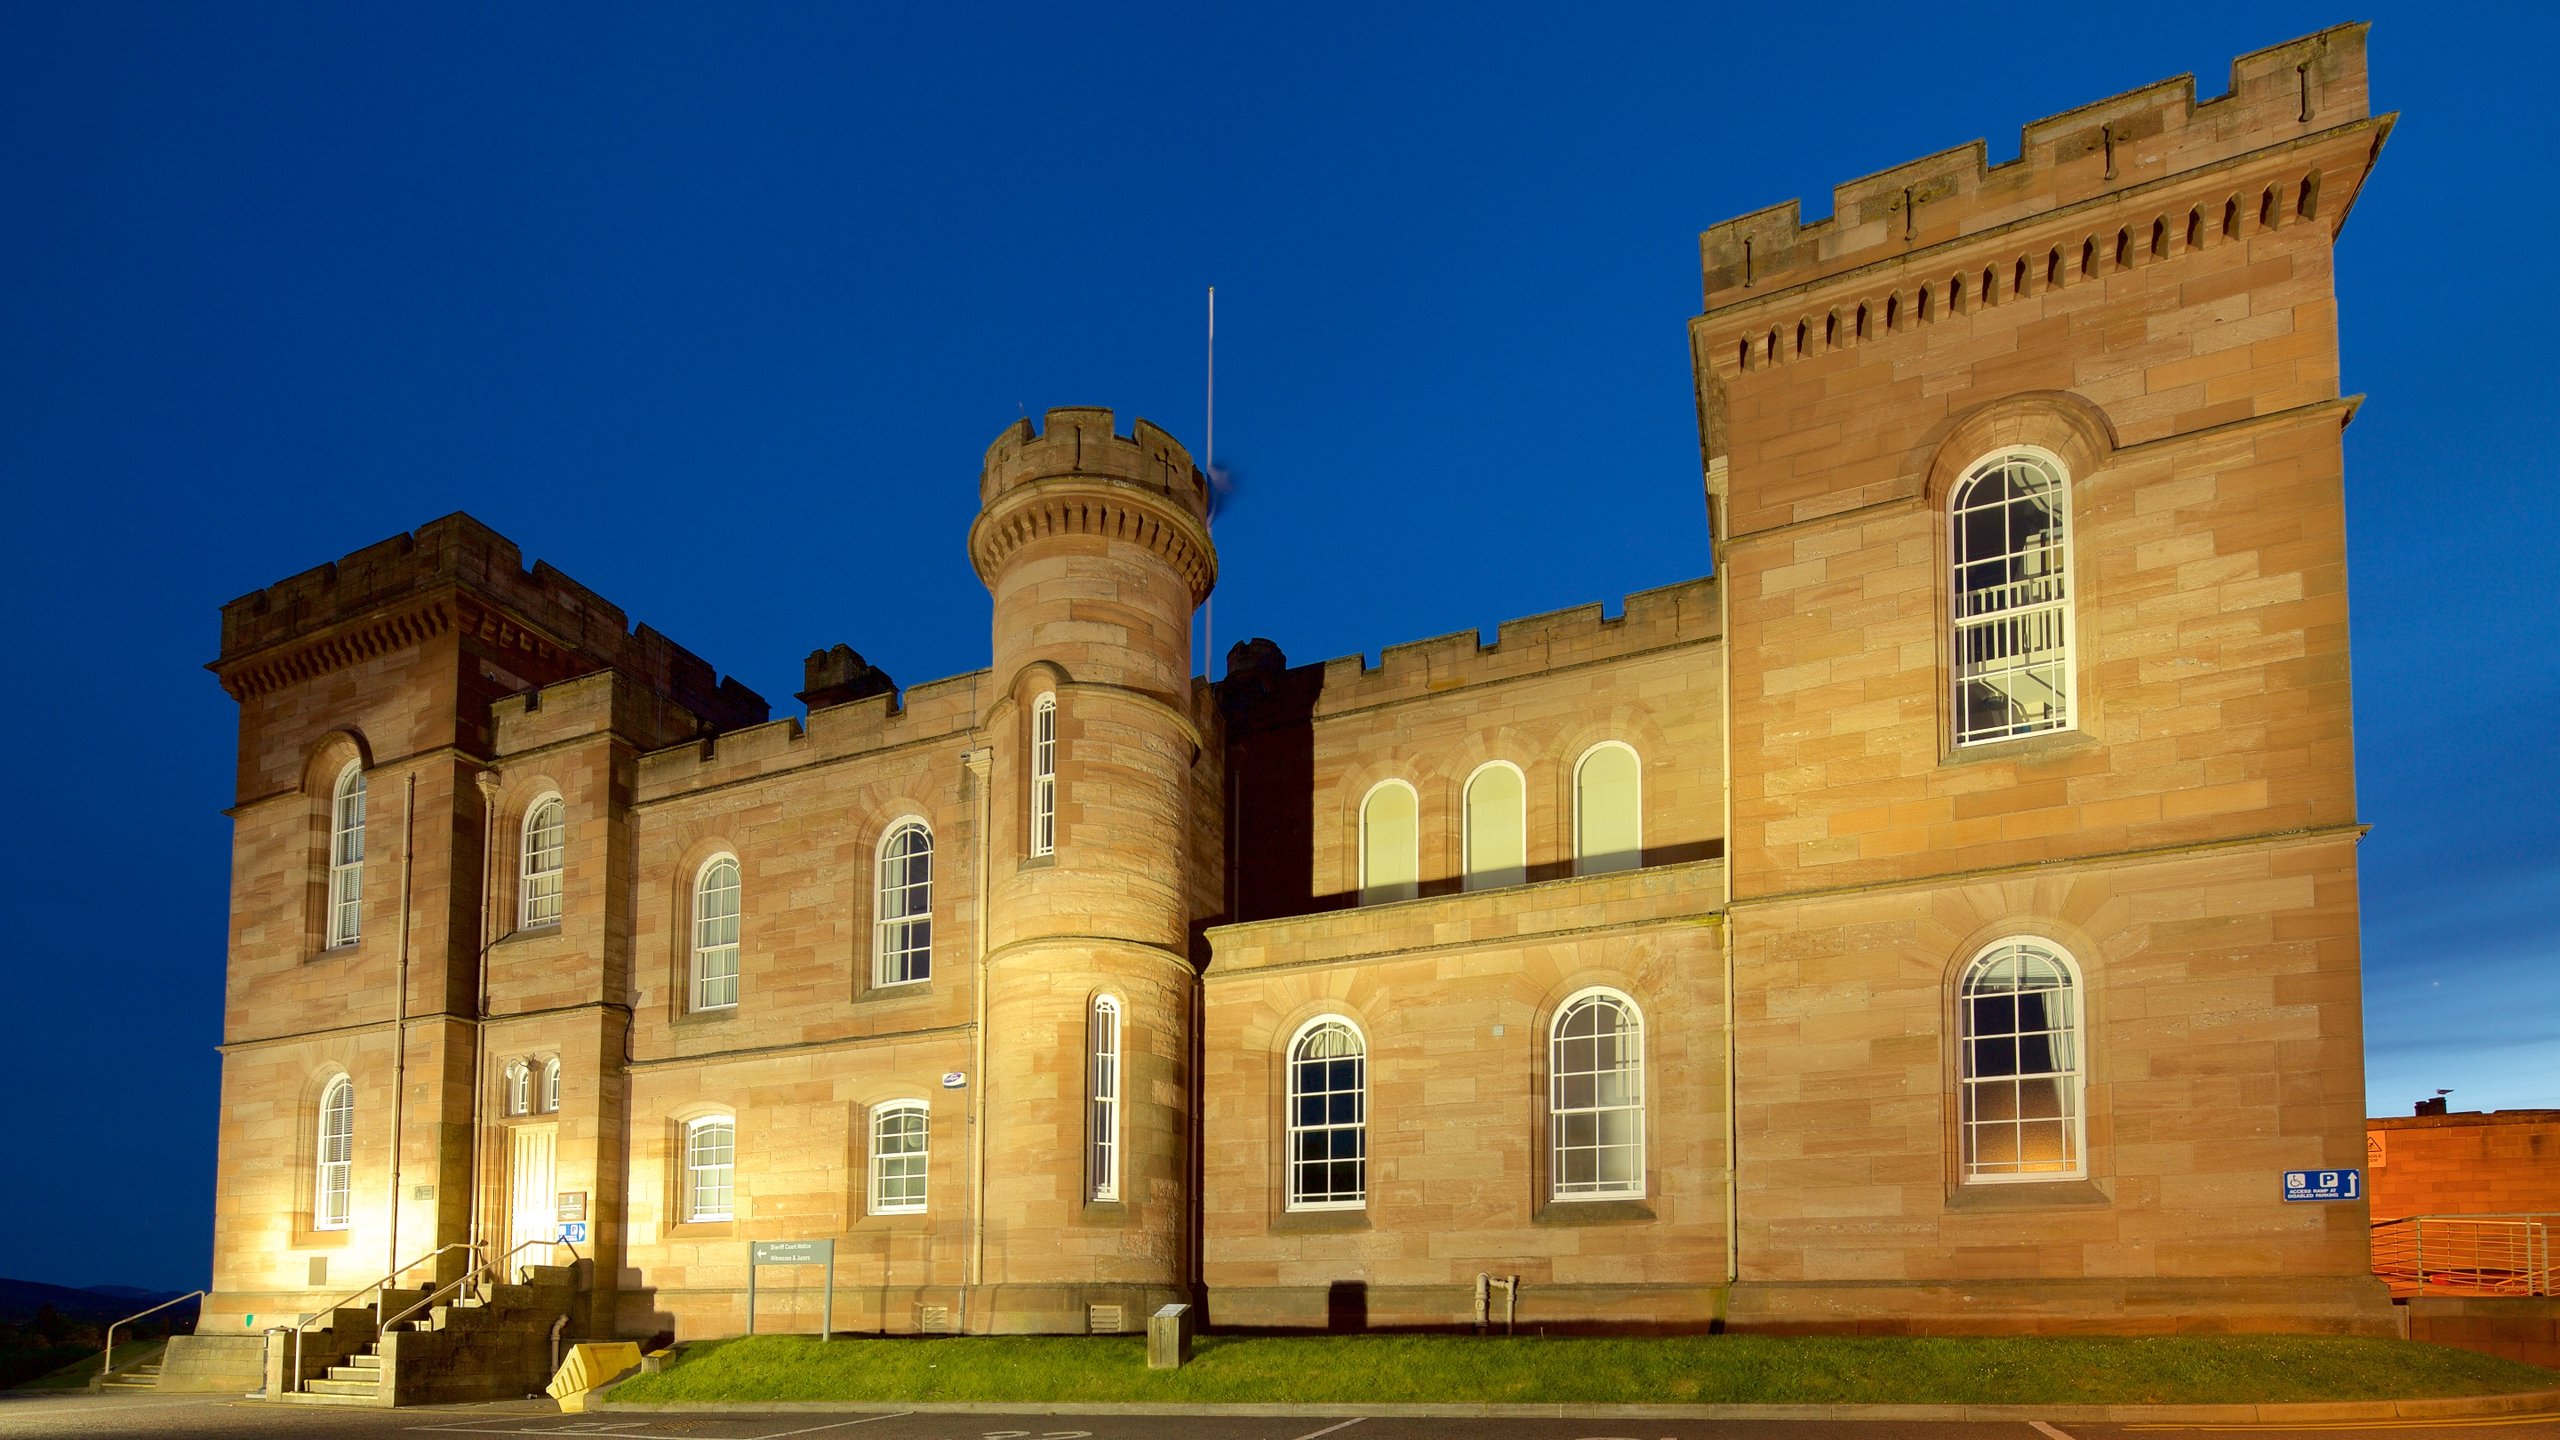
[[1562, 1109], [1494, 880], [914, 1165], [902, 908], [346, 857], [1044, 775], [1581, 860], [1415, 885], [2035, 603], [1300, 1195], [710, 1168], [544, 851], [1103, 1086], [2070, 1080], [333, 1178], [516, 1088], [714, 971], [550, 1097]]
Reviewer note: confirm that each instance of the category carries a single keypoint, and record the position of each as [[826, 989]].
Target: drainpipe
[[1732, 1121], [400, 1015], [487, 783], [980, 764]]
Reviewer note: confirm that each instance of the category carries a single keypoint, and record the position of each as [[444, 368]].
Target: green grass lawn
[[1387, 1369], [77, 1374]]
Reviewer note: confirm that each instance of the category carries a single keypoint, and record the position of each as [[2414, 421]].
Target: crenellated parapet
[[1075, 475], [2301, 91], [1258, 676], [458, 575]]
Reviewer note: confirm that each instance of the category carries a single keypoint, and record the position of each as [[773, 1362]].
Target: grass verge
[[77, 1374], [1729, 1369]]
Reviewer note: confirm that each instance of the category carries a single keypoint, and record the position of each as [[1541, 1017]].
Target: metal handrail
[[2502, 1253], [108, 1366], [294, 1380], [495, 1267]]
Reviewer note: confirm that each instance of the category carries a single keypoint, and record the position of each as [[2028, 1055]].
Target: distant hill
[[97, 1304]]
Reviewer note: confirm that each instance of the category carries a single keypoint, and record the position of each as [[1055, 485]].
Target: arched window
[[1044, 775], [1102, 1166], [900, 1148], [1497, 831], [715, 934], [1389, 832], [518, 1081], [333, 1189], [2022, 1080], [1328, 1117], [1595, 1098], [551, 1086], [546, 831], [2008, 533], [902, 927], [710, 1167], [1608, 810], [346, 856]]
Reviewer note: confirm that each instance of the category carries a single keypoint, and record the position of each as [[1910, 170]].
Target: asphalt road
[[217, 1418]]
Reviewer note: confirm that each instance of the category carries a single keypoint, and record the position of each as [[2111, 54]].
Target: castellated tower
[[1096, 549]]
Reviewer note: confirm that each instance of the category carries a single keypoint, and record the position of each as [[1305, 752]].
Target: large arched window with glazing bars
[[346, 856], [545, 850], [1102, 1047], [1595, 1098], [2019, 1012], [333, 1187], [715, 934], [1328, 1142], [902, 927], [2008, 530]]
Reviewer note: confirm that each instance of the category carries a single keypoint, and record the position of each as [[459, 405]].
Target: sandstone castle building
[[1943, 918]]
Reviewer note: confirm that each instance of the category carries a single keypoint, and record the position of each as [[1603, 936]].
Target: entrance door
[[532, 1212]]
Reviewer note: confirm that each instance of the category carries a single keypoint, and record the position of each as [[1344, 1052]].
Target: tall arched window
[[1608, 810], [2022, 1080], [900, 1150], [1389, 834], [546, 848], [346, 856], [1497, 833], [902, 927], [1595, 1098], [333, 1189], [2009, 537], [1044, 775], [1102, 1165], [710, 1167], [715, 934], [1328, 1117], [517, 1080], [551, 1086]]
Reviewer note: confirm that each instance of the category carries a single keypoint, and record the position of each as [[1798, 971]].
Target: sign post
[[761, 1253]]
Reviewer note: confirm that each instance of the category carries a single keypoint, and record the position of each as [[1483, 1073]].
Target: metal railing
[[108, 1366], [494, 1268], [2468, 1254], [375, 1288]]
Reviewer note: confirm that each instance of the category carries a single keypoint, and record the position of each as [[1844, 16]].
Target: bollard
[[1169, 1337]]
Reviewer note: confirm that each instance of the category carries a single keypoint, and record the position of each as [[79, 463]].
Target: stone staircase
[[145, 1376], [495, 1346]]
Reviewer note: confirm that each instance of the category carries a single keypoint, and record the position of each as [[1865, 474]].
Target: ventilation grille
[[1105, 1319], [933, 1319]]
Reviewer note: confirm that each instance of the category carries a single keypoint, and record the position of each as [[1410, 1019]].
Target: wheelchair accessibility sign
[[574, 1232], [2324, 1185]]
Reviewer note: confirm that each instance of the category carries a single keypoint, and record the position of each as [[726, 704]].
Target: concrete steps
[[133, 1377]]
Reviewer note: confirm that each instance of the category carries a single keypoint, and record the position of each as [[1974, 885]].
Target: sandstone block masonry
[[1942, 919]]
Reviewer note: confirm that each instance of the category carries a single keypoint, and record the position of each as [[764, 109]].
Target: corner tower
[[1096, 549]]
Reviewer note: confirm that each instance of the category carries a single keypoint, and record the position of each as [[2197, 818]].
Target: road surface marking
[[2048, 1431], [2448, 1423], [623, 1429], [1329, 1429]]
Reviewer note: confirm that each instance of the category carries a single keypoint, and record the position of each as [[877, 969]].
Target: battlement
[[391, 593], [2281, 94], [1259, 678], [1079, 440], [884, 721]]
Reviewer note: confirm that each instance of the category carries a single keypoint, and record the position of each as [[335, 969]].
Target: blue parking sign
[[2324, 1185], [574, 1231]]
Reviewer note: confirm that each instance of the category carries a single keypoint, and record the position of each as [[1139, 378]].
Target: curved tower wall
[[1095, 547]]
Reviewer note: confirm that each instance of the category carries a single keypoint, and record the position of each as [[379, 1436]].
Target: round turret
[[1095, 547]]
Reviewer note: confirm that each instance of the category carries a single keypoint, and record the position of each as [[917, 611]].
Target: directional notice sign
[[795, 1252], [2324, 1185], [574, 1232]]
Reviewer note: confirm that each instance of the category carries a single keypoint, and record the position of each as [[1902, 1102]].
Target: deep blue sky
[[716, 307]]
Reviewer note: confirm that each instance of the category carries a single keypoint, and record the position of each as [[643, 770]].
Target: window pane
[[1389, 869], [2009, 540], [2021, 1081], [1607, 831], [1328, 1123], [1596, 1099], [1497, 843]]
